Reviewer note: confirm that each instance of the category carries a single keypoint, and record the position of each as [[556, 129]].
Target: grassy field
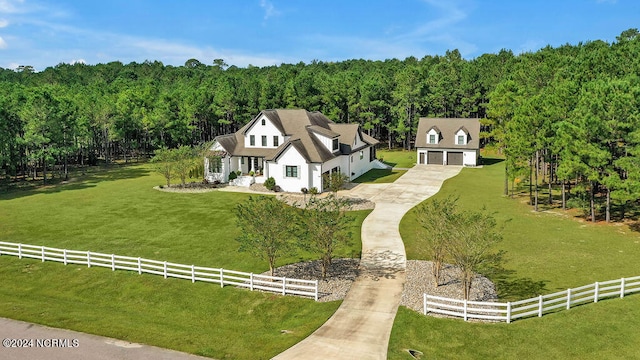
[[379, 176], [117, 211], [544, 252], [397, 157]]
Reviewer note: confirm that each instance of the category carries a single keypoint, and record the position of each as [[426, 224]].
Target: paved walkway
[[88, 346], [361, 327]]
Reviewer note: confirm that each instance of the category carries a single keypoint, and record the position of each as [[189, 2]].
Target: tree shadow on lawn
[[84, 179], [491, 161], [510, 287]]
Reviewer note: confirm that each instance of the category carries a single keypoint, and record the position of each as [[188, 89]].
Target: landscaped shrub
[[233, 176], [313, 191], [270, 183]]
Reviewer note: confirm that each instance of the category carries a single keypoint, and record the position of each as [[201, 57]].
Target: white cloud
[[3, 44], [77, 61], [269, 9], [3, 23], [11, 6]]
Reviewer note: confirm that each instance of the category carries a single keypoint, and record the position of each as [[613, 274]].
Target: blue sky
[[266, 32]]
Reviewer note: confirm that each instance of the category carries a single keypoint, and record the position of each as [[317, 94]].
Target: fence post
[[540, 306], [88, 258], [424, 303], [42, 252], [139, 267], [284, 286], [193, 274], [165, 269], [19, 251], [251, 281], [64, 256], [465, 309], [621, 288], [596, 292], [568, 299], [113, 262], [316, 290], [509, 312], [221, 277]]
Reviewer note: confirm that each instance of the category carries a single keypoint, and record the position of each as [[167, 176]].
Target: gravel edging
[[343, 273]]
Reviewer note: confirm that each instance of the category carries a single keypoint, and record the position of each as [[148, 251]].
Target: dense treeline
[[565, 115], [81, 113], [570, 117]]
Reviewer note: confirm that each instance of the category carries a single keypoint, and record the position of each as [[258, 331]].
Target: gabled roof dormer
[[329, 138], [433, 135], [461, 136]]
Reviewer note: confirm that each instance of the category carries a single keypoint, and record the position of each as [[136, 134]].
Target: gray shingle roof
[[300, 125], [448, 127]]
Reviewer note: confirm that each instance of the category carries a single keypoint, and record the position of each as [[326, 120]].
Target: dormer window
[[433, 135], [263, 122], [462, 136], [336, 145]]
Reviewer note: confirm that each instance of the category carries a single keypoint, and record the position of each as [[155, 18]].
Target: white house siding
[[290, 157], [358, 142], [224, 174], [259, 130], [327, 142], [315, 176], [360, 166]]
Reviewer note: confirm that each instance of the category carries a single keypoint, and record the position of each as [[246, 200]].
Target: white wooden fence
[[536, 306], [281, 285]]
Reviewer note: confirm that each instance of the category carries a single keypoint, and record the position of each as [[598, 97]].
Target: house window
[[275, 141], [460, 139], [336, 144], [264, 140], [432, 138], [291, 171], [252, 140], [263, 122], [242, 160], [361, 154], [215, 164]]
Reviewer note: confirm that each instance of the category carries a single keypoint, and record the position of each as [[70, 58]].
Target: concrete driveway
[[361, 327]]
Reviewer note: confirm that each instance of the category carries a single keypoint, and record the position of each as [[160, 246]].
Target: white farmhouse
[[444, 141], [295, 147]]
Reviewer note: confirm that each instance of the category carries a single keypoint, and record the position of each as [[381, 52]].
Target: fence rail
[[280, 285], [537, 306]]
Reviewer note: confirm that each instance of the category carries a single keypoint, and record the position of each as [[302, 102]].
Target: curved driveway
[[361, 326]]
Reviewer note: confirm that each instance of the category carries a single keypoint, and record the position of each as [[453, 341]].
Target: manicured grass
[[117, 211], [607, 330], [379, 176], [397, 157], [545, 252]]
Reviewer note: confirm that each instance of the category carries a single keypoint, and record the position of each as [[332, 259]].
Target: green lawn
[[545, 252], [379, 176], [117, 211], [397, 157]]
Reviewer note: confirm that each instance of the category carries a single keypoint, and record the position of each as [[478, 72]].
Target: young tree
[[326, 226], [268, 227], [435, 218], [185, 159], [473, 235], [164, 163]]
